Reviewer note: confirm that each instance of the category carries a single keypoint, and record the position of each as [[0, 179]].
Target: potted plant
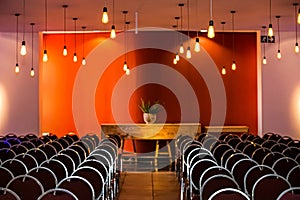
[[149, 111]]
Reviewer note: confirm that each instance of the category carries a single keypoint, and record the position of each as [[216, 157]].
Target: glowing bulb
[[223, 70], [177, 57], [298, 18], [32, 72], [105, 16], [113, 32], [83, 61], [23, 48], [125, 67], [181, 49], [188, 52], [296, 48], [197, 45], [233, 66], [75, 57], [65, 51], [127, 72], [211, 30], [17, 69], [270, 31], [45, 56], [264, 60], [278, 54], [174, 61]]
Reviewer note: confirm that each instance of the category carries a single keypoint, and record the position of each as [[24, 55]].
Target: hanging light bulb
[[75, 59], [233, 66], [264, 60], [278, 54], [298, 18], [296, 48], [65, 51], [17, 68], [127, 72], [177, 57], [188, 52], [104, 16], [181, 48], [23, 48], [83, 62], [211, 29], [45, 56], [197, 45], [113, 32], [32, 72], [125, 67], [174, 61], [223, 70]]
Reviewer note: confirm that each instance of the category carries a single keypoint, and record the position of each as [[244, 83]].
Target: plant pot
[[149, 118]]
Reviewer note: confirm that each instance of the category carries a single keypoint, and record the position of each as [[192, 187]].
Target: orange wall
[[57, 78]]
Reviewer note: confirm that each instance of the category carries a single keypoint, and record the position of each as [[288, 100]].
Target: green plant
[[148, 108]]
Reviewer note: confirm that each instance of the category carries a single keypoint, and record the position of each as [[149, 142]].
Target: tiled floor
[[148, 186]]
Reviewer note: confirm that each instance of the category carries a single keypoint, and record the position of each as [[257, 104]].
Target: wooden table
[[226, 129]]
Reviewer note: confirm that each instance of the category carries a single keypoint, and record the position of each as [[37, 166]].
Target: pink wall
[[18, 92]]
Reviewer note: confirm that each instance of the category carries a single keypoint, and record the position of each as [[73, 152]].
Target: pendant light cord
[[46, 22], [188, 17], [233, 36], [75, 19], [113, 7], [278, 32], [270, 11], [83, 31], [17, 37], [24, 20], [210, 9], [32, 24], [65, 23], [296, 24], [125, 36]]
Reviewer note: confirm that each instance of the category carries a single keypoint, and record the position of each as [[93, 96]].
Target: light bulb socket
[[197, 39], [296, 44], [45, 51], [211, 22], [23, 43], [270, 26], [264, 57], [113, 27], [104, 9], [278, 51], [65, 47]]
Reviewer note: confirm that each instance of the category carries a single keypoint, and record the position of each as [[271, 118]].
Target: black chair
[[57, 167], [16, 167], [7, 194], [269, 143], [269, 187], [291, 152], [79, 150], [282, 166], [250, 148], [228, 193], [292, 193], [227, 154], [233, 142], [6, 154], [73, 183], [26, 187], [4, 144], [29, 145], [37, 142], [28, 160], [39, 155], [271, 158], [45, 176], [294, 143], [19, 149], [219, 151], [6, 175], [259, 154], [57, 145], [57, 194], [72, 154], [285, 140], [67, 161], [48, 149], [280, 147], [233, 159], [293, 176]]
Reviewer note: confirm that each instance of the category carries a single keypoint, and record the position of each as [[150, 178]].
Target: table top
[[166, 131]]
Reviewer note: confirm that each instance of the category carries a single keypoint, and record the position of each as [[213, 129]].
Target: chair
[[253, 174], [283, 165], [67, 161], [240, 168], [215, 183], [209, 142], [293, 176], [294, 143], [280, 147], [250, 148], [227, 154], [4, 144], [269, 187], [292, 193], [79, 143], [39, 155], [201, 137], [45, 176], [219, 151], [73, 154], [94, 177], [48, 149], [79, 150], [13, 141], [233, 159], [88, 142], [259, 154], [241, 145], [57, 145], [268, 144], [37, 142], [228, 193], [57, 194], [6, 176], [285, 140], [28, 160], [29, 145], [6, 154], [79, 186], [26, 187], [258, 140], [16, 167], [233, 142], [57, 167], [271, 158], [30, 136], [7, 194], [19, 149], [291, 152]]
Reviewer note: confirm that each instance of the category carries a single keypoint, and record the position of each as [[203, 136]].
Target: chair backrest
[[233, 159], [19, 149], [26, 187], [67, 161], [45, 176], [269, 187], [28, 160], [293, 176], [79, 150], [268, 144], [292, 193], [240, 168], [283, 165], [93, 176], [57, 167], [39, 155], [228, 193], [16, 167], [79, 186], [279, 147], [29, 145], [7, 194], [209, 142], [220, 150], [58, 194], [57, 145], [294, 143], [271, 158], [37, 142], [73, 154], [211, 171], [292, 152], [98, 165], [250, 148], [48, 149], [80, 143], [6, 175], [285, 139], [215, 183], [259, 154], [253, 174], [226, 155], [234, 141], [6, 154]]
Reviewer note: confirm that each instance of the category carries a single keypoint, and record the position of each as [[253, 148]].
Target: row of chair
[[54, 168], [204, 160]]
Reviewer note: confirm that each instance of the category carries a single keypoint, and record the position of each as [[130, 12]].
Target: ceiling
[[250, 14]]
